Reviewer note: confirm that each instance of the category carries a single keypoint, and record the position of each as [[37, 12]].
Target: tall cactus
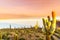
[[49, 26]]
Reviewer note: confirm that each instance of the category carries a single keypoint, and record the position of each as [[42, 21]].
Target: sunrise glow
[[11, 9]]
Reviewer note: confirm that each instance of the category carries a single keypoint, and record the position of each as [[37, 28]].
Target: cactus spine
[[49, 26]]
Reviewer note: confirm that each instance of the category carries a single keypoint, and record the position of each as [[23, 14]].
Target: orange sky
[[28, 8]]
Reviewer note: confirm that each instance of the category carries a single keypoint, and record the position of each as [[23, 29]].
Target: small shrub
[[21, 39], [40, 39]]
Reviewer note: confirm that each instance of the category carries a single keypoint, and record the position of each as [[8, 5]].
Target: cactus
[[10, 27], [49, 26], [36, 26]]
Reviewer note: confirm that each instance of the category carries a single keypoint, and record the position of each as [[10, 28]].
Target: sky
[[21, 13], [11, 9]]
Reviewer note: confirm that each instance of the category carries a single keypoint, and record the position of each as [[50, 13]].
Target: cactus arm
[[48, 22], [53, 23], [48, 18], [44, 25], [49, 25], [54, 19]]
